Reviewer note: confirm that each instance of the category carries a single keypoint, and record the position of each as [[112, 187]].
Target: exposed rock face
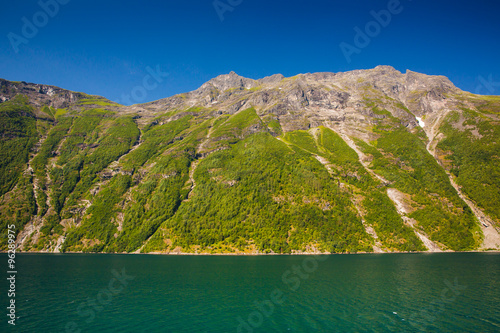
[[224, 82], [337, 99], [317, 92], [41, 95], [38, 94]]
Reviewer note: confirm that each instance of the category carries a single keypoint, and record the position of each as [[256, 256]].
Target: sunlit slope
[[362, 161]]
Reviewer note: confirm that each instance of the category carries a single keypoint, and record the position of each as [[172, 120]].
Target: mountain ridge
[[331, 149]]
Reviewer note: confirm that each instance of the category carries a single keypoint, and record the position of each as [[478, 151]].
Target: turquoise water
[[453, 292]]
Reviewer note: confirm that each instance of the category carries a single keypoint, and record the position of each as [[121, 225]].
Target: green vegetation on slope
[[116, 140], [155, 140], [403, 160], [154, 195], [19, 135], [262, 193], [379, 211], [275, 197], [475, 158], [154, 201], [237, 126], [17, 207], [98, 228]]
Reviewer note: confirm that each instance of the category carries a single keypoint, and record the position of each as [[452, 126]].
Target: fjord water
[[451, 292]]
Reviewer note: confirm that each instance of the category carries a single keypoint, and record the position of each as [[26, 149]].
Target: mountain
[[363, 161]]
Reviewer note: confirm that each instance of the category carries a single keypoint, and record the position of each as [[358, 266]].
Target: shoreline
[[250, 254]]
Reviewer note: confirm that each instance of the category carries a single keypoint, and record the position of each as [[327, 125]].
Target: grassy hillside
[[401, 157], [18, 136], [472, 149], [261, 193]]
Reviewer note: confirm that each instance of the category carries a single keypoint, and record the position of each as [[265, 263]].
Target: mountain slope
[[369, 160]]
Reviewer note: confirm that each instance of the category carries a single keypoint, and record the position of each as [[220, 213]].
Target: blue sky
[[106, 47]]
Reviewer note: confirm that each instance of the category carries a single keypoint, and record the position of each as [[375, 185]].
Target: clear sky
[[106, 47]]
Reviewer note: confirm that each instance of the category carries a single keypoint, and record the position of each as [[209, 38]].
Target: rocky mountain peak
[[419, 81], [312, 99], [228, 81], [271, 79], [385, 69]]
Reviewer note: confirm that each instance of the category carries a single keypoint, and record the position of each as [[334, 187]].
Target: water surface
[[452, 292]]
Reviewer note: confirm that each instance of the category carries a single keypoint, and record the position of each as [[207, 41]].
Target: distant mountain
[[362, 161]]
